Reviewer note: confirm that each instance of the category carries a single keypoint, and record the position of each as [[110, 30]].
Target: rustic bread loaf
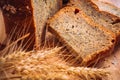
[[42, 10], [27, 16], [18, 22], [86, 40], [109, 21], [105, 6]]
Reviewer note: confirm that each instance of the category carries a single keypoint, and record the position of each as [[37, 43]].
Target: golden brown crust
[[90, 59], [111, 20], [42, 10], [114, 19], [94, 6], [93, 56]]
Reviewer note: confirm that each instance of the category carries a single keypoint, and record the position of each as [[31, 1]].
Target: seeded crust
[[103, 18], [87, 40], [105, 6], [18, 22], [42, 10]]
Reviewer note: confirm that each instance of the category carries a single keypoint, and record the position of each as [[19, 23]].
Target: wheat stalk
[[44, 65]]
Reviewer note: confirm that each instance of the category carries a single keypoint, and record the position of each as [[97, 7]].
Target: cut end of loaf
[[106, 18], [41, 11], [83, 38]]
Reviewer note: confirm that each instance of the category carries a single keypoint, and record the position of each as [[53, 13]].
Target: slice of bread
[[85, 39], [108, 20], [42, 10], [105, 6]]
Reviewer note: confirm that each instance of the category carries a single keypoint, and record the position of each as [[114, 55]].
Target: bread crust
[[42, 10], [110, 20], [92, 57], [18, 22]]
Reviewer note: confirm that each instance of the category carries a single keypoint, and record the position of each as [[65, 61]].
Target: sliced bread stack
[[86, 40], [105, 6], [104, 18]]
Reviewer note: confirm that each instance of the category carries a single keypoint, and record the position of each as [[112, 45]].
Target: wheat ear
[[44, 65]]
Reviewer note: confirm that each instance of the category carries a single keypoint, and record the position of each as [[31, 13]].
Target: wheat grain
[[44, 65]]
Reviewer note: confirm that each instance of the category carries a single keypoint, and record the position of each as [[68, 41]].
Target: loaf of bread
[[28, 16], [105, 6], [108, 20], [42, 10], [87, 40], [18, 22]]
